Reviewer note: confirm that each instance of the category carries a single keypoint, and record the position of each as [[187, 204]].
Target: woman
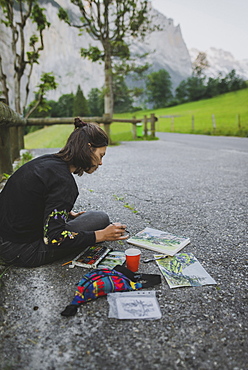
[[37, 224]]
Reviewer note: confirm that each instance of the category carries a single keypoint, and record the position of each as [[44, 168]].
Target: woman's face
[[99, 153]]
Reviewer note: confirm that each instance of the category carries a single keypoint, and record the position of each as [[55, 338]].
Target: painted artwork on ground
[[184, 269], [159, 241]]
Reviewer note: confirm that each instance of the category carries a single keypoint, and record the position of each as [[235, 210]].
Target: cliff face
[[61, 54], [167, 49]]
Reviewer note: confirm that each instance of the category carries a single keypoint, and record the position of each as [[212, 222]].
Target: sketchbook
[[159, 241], [134, 305], [184, 269]]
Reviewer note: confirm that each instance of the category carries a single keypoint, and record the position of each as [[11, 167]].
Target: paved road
[[202, 141], [190, 185]]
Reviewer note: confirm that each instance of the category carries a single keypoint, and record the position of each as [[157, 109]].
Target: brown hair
[[77, 151]]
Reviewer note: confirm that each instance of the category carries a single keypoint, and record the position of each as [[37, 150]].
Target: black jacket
[[35, 203]]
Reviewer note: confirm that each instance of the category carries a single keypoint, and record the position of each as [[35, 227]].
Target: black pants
[[38, 253]]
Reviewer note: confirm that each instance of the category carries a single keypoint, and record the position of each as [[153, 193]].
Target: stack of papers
[[134, 305]]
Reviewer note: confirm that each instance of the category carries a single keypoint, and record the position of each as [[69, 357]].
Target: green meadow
[[225, 115]]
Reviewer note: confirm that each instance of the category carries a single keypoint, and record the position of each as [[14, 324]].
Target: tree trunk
[[17, 94], [3, 79], [14, 143], [108, 96]]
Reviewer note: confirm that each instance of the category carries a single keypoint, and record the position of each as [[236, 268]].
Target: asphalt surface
[[190, 185]]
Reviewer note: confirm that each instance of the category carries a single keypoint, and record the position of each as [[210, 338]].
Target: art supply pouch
[[100, 282]]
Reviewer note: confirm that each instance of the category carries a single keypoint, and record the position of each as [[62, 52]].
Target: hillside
[[230, 115], [227, 109]]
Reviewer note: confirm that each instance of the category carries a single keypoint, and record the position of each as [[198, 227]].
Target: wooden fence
[[12, 137], [211, 124]]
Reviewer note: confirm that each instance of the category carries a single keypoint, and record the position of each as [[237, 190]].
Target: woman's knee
[[101, 218], [89, 221]]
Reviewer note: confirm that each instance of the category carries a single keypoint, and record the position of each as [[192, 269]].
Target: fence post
[[106, 126], [21, 137], [213, 122], [14, 139], [153, 120], [193, 123], [107, 129], [145, 126], [172, 124], [5, 151], [238, 119], [134, 129], [11, 137]]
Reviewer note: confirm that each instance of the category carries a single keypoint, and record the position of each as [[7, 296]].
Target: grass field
[[228, 111]]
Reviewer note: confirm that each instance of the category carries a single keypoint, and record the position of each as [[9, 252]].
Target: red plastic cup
[[132, 259]]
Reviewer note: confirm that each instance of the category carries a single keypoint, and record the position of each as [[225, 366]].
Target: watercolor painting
[[159, 241], [184, 269]]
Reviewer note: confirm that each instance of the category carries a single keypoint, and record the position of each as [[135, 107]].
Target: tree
[[212, 88], [181, 92], [17, 15], [192, 89], [128, 73], [234, 82], [196, 88], [96, 102], [200, 64], [158, 88], [122, 99], [64, 106], [111, 22], [47, 82], [80, 105], [61, 108], [222, 85]]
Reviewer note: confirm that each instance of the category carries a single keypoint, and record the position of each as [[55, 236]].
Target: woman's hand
[[73, 214], [112, 232]]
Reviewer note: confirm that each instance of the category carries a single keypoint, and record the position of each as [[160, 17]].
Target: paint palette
[[90, 257]]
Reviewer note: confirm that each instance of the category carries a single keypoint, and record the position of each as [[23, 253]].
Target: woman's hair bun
[[78, 123]]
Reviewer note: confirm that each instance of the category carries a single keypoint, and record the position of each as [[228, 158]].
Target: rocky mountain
[[166, 50], [61, 55], [222, 62]]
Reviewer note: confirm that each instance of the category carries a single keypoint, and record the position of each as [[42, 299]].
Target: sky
[[222, 24]]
